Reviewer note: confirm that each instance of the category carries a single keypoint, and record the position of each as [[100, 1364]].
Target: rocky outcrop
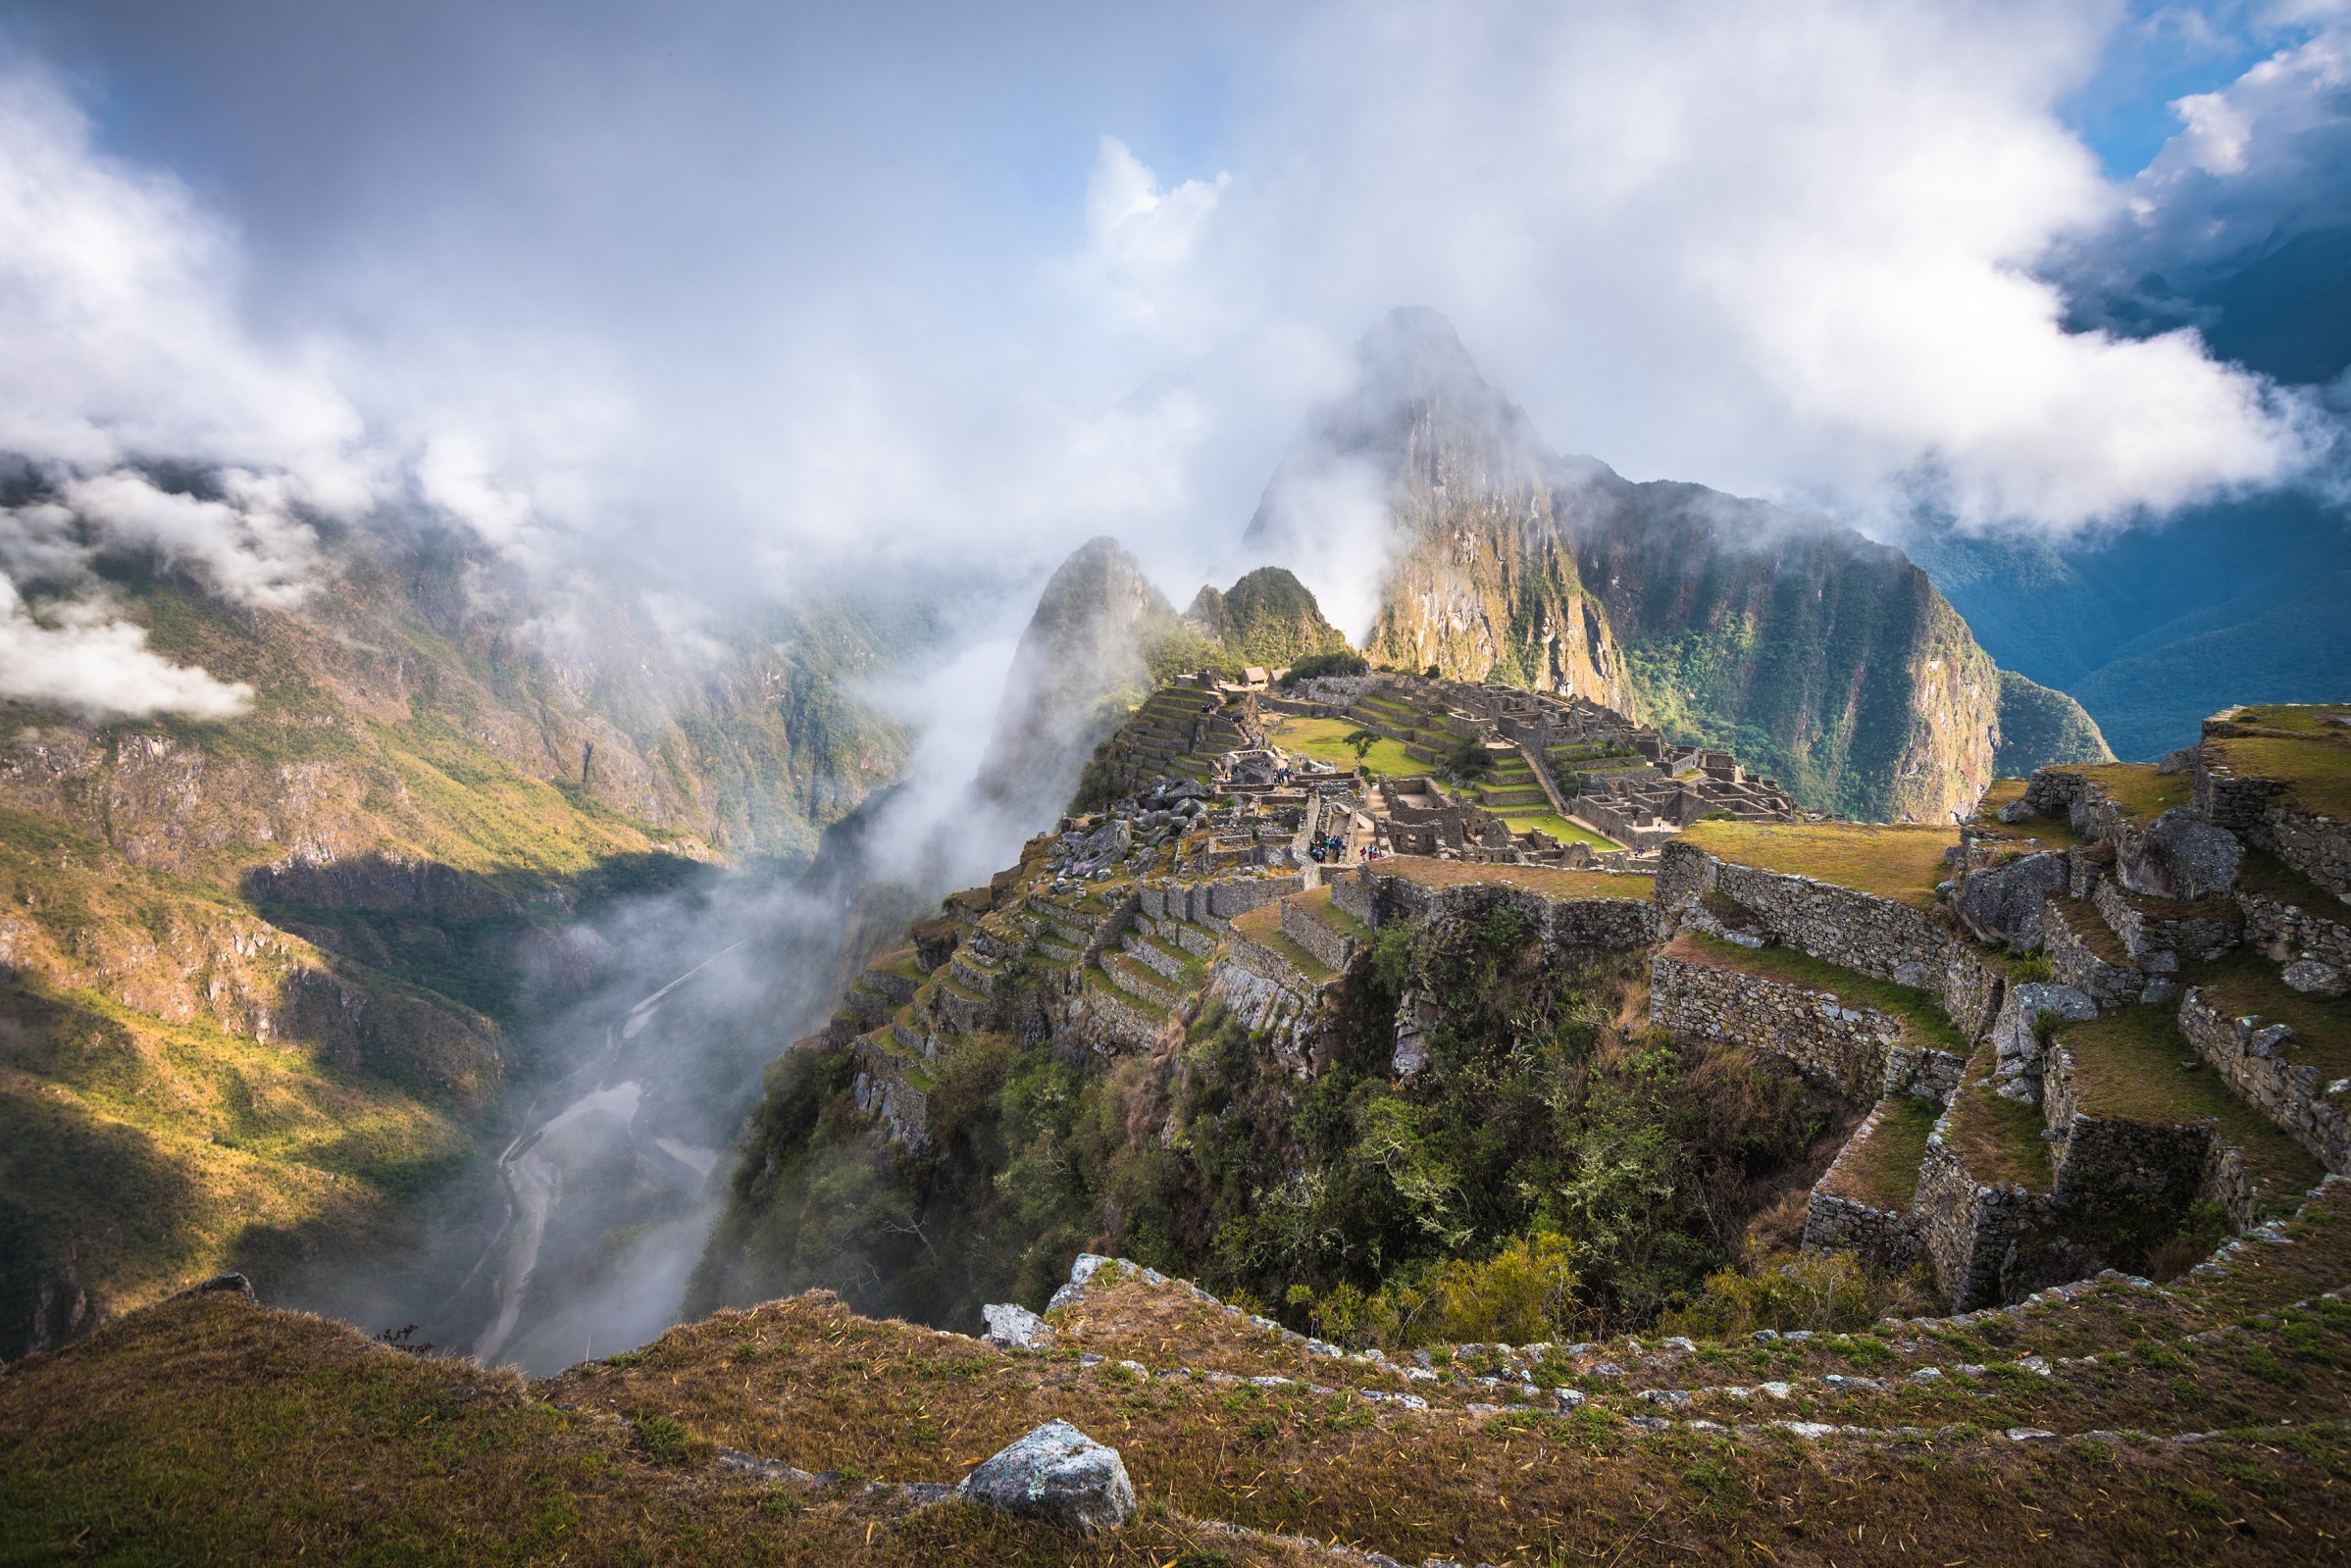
[[1268, 619]]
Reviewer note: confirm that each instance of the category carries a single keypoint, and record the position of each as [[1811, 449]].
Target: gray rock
[[2182, 856], [2015, 811], [2016, 1037], [2313, 979], [1016, 1326], [231, 1283], [2181, 761], [1059, 1474], [2002, 903]]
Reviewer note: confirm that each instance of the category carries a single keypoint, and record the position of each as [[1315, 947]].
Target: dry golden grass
[[1552, 882], [2317, 771], [2138, 789], [210, 1430], [1997, 1139], [1898, 861]]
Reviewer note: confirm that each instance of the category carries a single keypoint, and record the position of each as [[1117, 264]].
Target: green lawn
[[1559, 828], [1321, 738]]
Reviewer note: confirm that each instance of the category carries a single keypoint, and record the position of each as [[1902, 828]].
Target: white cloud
[[119, 335], [75, 656], [250, 546]]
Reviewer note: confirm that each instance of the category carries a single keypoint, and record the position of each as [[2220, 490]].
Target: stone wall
[[2105, 1166], [1972, 1231], [1213, 903], [1972, 992], [2068, 933], [2159, 933], [1842, 1047], [1852, 929], [2258, 811], [2293, 1094], [1886, 1239], [2285, 931], [1335, 949]]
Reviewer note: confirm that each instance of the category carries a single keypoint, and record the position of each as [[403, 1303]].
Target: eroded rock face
[[2002, 903], [2182, 856], [1058, 1473]]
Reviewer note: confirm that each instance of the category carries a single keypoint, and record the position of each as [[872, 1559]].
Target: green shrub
[[1823, 1292]]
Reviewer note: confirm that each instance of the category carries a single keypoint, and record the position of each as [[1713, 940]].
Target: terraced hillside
[[1842, 1193]]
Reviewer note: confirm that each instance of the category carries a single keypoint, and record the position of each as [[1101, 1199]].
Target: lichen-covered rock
[[1058, 1473], [1014, 1326], [2017, 1038], [2313, 979], [2182, 856], [2002, 903]]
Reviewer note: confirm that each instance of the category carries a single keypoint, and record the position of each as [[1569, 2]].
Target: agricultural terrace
[[2307, 747], [1898, 861], [1551, 881]]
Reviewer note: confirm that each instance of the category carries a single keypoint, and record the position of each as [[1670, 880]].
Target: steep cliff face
[[2039, 727], [1828, 659], [1813, 653], [1477, 583]]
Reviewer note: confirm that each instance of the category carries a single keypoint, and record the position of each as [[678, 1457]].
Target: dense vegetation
[[1544, 1153]]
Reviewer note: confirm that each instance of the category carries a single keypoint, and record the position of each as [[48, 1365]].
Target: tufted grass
[[1902, 862], [1997, 1139], [1551, 881], [2246, 982], [210, 1430], [2137, 790]]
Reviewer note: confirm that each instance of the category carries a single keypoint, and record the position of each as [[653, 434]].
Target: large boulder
[[1059, 1474], [1016, 1326], [2002, 903], [2182, 856], [2016, 1036]]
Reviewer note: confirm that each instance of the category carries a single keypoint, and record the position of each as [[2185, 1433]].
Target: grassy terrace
[[2133, 1066], [1997, 1139], [1316, 901], [2053, 833], [1883, 1171], [1559, 828], [1263, 926], [2263, 873], [2137, 790], [1921, 1017], [1322, 739], [2247, 982], [1898, 861], [2317, 771], [1549, 881]]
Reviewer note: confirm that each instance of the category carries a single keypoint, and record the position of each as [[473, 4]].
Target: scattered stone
[[231, 1283], [2183, 760], [2002, 903], [2028, 1433], [1059, 1474]]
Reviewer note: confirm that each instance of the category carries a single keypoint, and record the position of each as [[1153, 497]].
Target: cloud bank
[[727, 300]]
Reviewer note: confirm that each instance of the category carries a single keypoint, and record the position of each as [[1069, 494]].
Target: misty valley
[[744, 823]]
